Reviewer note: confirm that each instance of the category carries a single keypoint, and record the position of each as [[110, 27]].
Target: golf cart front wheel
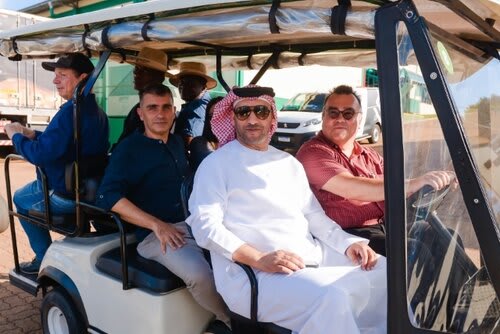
[[59, 315]]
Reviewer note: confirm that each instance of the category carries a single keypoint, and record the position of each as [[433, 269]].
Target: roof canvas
[[194, 28]]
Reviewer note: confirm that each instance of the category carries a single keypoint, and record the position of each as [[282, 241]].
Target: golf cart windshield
[[459, 290]]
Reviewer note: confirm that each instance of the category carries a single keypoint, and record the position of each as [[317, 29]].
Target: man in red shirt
[[346, 177]]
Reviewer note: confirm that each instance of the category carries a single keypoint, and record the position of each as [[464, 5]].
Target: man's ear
[[83, 76], [139, 112]]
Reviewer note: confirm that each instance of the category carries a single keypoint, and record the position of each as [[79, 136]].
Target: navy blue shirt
[[149, 173], [191, 118], [54, 148]]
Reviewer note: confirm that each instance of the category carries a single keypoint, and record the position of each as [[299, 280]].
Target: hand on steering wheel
[[434, 186]]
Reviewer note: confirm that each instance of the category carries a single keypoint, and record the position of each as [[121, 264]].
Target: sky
[[17, 4]]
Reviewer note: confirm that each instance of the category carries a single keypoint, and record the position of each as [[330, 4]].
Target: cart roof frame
[[301, 31]]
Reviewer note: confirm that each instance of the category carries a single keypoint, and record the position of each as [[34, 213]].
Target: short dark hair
[[343, 90], [157, 89]]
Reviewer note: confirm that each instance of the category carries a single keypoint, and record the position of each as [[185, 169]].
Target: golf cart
[[97, 283]]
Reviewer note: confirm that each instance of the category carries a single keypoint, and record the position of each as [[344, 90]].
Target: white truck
[[27, 94]]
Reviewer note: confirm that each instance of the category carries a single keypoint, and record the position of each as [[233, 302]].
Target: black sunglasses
[[335, 113], [243, 112]]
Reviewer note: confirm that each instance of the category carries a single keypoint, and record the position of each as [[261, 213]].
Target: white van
[[300, 119]]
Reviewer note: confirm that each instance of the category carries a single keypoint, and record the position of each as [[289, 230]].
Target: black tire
[[59, 314], [375, 134]]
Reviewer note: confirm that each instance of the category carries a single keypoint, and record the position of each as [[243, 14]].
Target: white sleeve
[[321, 226], [207, 205]]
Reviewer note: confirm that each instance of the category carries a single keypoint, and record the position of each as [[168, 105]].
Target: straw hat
[[150, 58], [193, 68]]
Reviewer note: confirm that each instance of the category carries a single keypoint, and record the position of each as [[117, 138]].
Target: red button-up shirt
[[323, 160]]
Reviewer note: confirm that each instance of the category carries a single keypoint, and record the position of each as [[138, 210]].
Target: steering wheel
[[426, 200]]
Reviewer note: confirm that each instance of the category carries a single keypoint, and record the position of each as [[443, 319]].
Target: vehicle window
[[479, 110], [305, 102], [449, 290], [314, 103], [295, 103]]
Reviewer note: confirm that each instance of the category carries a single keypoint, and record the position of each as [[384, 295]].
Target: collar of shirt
[[204, 98], [149, 140]]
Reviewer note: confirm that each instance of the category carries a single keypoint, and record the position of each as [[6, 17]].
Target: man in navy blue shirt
[[142, 184], [54, 148], [193, 83]]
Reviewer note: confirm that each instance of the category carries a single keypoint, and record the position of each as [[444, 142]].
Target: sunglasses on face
[[243, 112], [334, 113]]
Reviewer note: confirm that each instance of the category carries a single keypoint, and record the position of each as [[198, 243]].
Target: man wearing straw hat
[[251, 203], [150, 69], [193, 83]]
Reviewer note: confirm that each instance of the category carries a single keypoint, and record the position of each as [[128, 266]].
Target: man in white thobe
[[252, 203]]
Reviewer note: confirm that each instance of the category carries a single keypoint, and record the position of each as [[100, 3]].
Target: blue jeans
[[31, 197]]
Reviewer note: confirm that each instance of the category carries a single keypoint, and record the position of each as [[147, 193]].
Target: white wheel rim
[[56, 321], [375, 133]]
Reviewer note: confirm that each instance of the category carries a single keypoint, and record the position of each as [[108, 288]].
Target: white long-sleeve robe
[[262, 198]]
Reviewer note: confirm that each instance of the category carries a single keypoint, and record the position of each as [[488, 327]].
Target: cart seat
[[90, 171], [61, 221], [142, 273]]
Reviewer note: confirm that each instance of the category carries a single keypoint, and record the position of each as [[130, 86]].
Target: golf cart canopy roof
[[246, 32]]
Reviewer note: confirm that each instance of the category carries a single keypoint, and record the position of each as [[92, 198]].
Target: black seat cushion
[[142, 273]]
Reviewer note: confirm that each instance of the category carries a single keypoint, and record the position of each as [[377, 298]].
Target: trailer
[[27, 94]]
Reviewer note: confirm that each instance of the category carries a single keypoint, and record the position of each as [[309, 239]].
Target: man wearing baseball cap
[[54, 148], [193, 83], [150, 68], [252, 204]]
